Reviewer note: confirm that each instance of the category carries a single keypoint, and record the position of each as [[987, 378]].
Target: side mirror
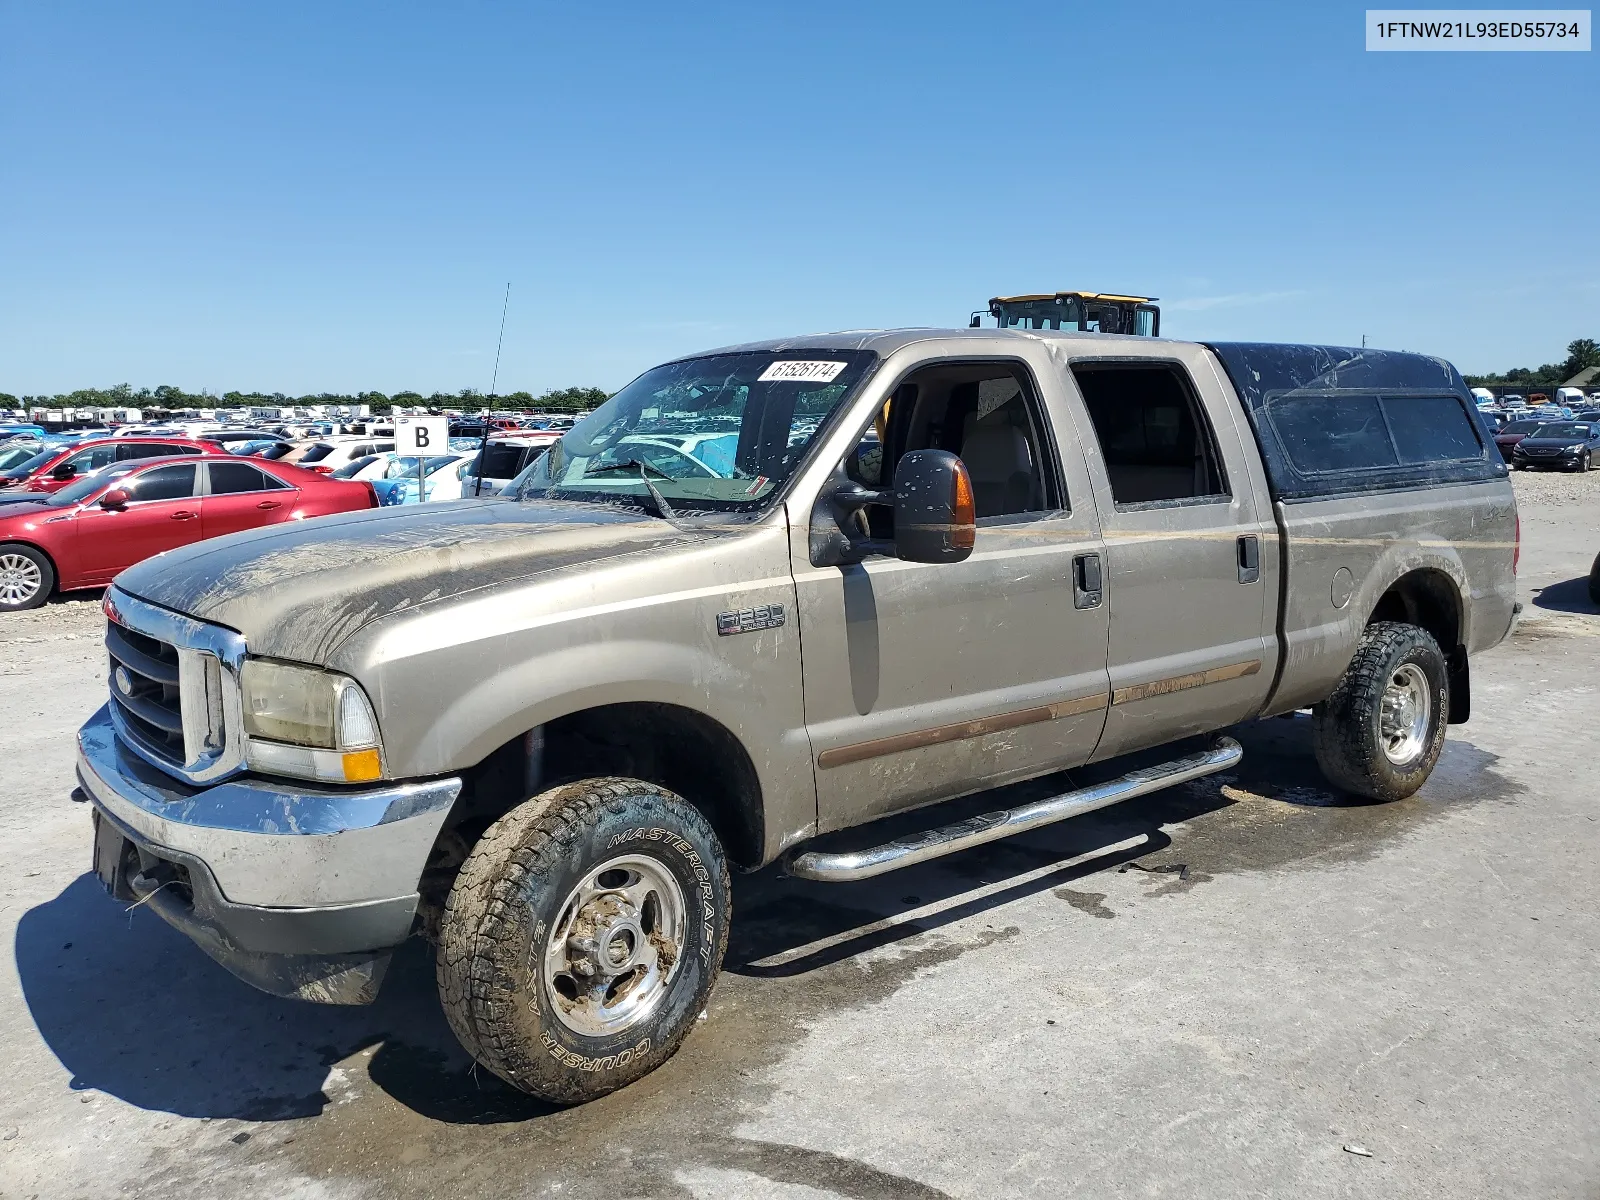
[[63, 472], [115, 500], [934, 515], [935, 520]]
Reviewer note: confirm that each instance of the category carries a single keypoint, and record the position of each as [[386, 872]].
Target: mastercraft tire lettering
[[582, 937]]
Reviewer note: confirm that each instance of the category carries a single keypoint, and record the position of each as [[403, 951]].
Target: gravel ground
[[1287, 984], [1556, 489]]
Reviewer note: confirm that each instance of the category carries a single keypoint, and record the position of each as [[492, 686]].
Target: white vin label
[[800, 371]]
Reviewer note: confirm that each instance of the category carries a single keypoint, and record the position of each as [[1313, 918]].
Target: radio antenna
[[488, 412]]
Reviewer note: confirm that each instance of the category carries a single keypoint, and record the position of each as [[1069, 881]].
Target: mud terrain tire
[[539, 918], [1397, 670]]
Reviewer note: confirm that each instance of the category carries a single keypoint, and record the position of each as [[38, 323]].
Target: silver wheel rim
[[615, 949], [20, 579], [1405, 714]]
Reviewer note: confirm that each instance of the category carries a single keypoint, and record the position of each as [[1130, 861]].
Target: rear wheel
[[1594, 580], [582, 937], [1382, 730], [26, 577]]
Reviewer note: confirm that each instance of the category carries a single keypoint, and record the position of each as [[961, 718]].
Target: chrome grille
[[175, 688], [145, 689]]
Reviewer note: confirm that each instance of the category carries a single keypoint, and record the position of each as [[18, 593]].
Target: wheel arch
[[1431, 598], [677, 747]]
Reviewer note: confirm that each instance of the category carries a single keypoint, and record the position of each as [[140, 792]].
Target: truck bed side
[[1426, 536]]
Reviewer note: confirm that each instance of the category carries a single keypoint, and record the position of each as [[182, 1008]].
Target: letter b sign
[[422, 435]]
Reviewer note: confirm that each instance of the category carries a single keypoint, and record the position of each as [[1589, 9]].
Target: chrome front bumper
[[298, 889]]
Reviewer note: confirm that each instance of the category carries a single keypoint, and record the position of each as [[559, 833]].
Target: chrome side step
[[848, 865]]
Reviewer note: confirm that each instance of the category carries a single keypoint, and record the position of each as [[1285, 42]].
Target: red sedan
[[56, 466], [86, 532]]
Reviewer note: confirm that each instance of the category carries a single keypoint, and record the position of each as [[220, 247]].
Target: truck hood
[[297, 590]]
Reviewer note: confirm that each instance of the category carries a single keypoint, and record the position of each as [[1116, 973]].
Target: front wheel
[[1381, 732], [26, 578], [1583, 463], [582, 937]]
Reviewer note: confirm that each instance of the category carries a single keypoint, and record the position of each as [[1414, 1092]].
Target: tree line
[[1581, 355], [572, 399]]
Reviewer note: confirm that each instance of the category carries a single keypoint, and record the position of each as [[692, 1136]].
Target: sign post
[[424, 437]]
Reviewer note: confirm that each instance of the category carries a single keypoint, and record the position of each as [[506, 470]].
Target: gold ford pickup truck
[[762, 594]]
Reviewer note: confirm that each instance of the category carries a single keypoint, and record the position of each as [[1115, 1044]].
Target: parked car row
[[1564, 445], [83, 530]]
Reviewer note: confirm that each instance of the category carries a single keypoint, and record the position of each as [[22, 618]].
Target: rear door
[[163, 513], [1191, 549], [241, 496]]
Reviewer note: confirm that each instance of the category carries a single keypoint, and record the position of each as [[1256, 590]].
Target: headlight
[[310, 723]]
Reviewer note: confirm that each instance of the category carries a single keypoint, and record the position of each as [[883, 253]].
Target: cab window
[[985, 413], [92, 459]]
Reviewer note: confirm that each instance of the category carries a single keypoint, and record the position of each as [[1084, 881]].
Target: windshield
[[15, 456], [82, 489], [1561, 431], [720, 433], [1520, 427], [406, 464], [33, 462]]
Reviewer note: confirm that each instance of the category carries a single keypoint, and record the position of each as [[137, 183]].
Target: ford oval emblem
[[124, 681]]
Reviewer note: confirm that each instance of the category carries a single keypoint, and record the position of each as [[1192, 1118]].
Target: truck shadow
[[132, 1009], [1568, 596]]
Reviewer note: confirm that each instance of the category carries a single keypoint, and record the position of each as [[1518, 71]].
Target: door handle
[[183, 514], [1249, 558], [270, 504], [1086, 586]]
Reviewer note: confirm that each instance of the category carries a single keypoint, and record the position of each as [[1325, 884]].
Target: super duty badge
[[748, 620]]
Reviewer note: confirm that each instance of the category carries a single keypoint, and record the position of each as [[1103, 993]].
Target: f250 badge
[[748, 620]]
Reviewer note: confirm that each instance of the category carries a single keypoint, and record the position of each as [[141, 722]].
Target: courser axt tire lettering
[[1381, 731], [582, 937]]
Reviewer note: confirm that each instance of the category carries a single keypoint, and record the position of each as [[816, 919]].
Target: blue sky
[[333, 196]]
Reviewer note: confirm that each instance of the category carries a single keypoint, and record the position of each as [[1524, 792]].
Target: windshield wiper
[[663, 509]]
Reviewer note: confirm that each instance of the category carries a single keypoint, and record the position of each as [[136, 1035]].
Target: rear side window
[[227, 478], [501, 461], [164, 483], [1324, 433], [1153, 434], [146, 450], [1332, 433], [317, 453], [1431, 429]]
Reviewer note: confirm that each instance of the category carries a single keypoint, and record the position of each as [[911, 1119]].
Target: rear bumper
[[298, 890]]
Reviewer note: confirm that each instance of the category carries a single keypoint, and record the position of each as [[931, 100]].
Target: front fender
[[454, 680]]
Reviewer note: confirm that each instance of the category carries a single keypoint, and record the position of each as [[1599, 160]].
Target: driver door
[[925, 681], [163, 513]]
